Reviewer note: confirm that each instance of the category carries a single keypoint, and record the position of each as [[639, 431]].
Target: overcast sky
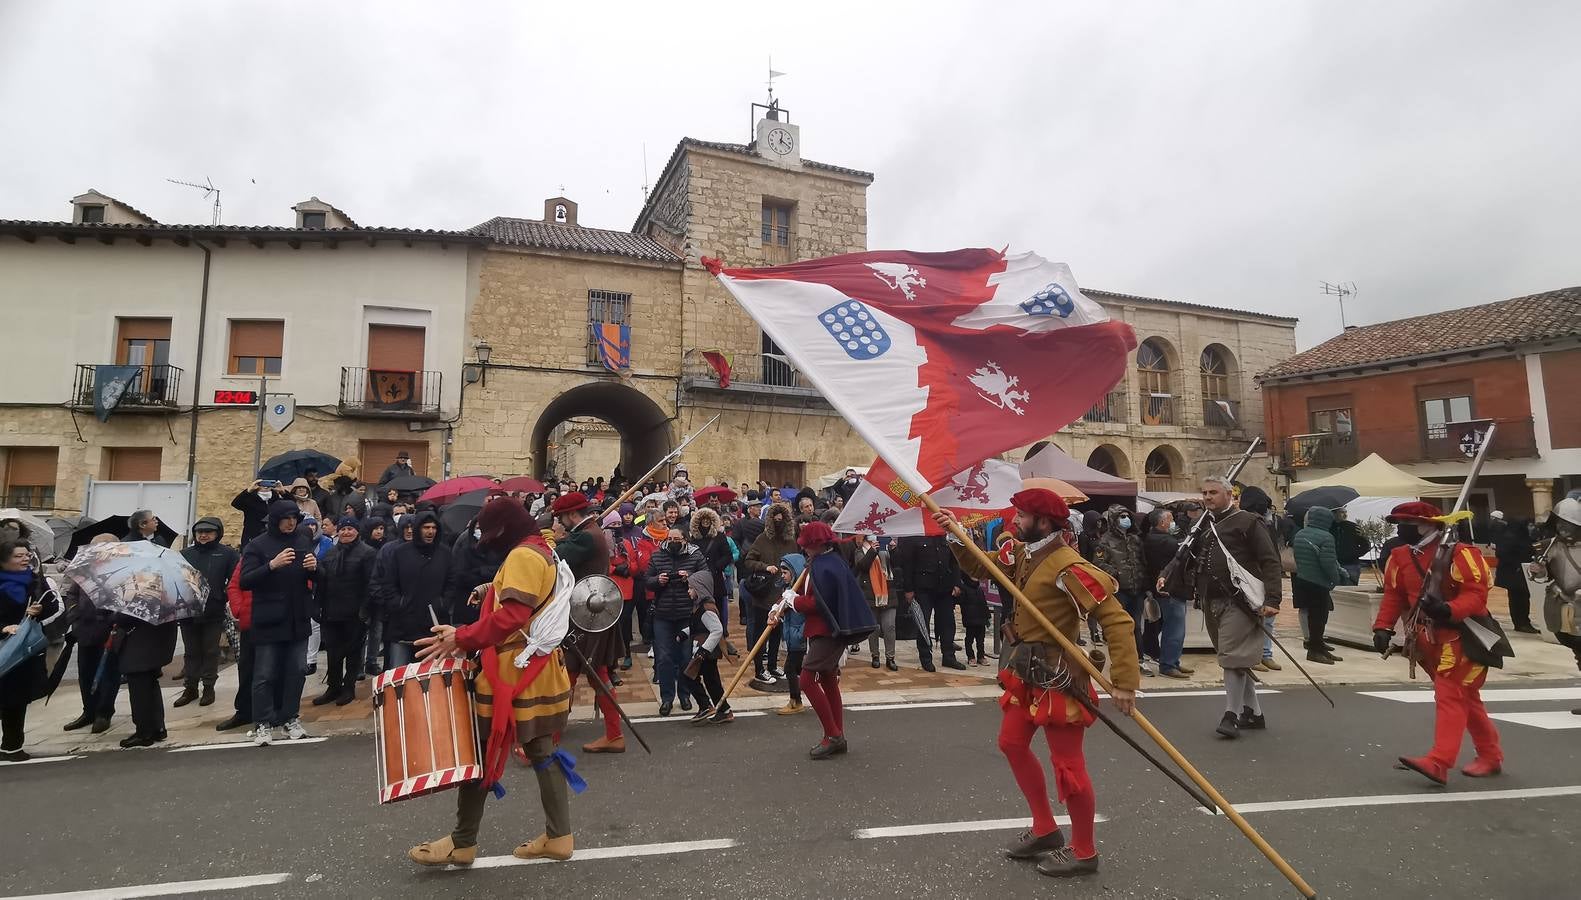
[[1233, 154]]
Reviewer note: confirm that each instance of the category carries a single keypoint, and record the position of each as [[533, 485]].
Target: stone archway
[[1110, 460], [642, 424]]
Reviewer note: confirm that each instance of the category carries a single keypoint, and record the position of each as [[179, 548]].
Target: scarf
[[16, 586]]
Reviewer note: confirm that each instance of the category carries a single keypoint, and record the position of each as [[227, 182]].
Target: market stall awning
[[1052, 462], [1375, 477]]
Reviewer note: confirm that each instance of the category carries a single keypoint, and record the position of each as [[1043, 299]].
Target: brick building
[[1411, 390]]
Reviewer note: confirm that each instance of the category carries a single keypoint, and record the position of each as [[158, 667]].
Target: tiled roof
[[739, 149], [549, 236], [1521, 320], [1185, 304], [32, 229]]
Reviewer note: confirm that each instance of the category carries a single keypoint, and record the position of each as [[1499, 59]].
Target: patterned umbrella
[[140, 579]]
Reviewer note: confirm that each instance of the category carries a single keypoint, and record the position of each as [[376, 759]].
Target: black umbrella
[[293, 464], [1331, 497], [116, 526], [455, 515], [407, 484]]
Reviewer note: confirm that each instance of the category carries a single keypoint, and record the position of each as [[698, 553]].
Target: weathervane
[[773, 75]]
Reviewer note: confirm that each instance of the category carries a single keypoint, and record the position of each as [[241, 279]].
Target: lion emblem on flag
[[899, 277], [999, 388]]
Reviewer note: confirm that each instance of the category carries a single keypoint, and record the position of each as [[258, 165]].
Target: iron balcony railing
[[1512, 438], [748, 371], [1221, 413], [1324, 450], [396, 393], [1157, 408], [151, 388], [1109, 408]]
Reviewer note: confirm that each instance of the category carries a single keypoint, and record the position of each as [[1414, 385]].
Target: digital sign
[[236, 398]]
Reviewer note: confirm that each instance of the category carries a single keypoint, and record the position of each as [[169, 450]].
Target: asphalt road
[[785, 826]]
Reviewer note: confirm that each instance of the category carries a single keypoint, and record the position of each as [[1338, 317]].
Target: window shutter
[[31, 466], [250, 338]]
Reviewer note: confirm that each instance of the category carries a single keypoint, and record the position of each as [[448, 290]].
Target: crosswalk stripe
[[1493, 695], [1555, 720], [233, 745], [39, 759], [589, 853], [1568, 790], [889, 831], [166, 889]]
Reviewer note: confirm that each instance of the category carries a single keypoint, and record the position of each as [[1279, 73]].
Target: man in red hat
[[1066, 590], [1436, 646], [584, 547]]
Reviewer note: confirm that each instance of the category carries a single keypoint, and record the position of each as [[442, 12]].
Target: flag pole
[[1074, 653], [762, 639]]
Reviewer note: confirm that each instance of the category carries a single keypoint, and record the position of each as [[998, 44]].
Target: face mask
[[1409, 531], [1125, 521], [266, 495], [477, 533]]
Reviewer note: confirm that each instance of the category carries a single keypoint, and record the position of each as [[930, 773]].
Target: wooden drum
[[425, 730]]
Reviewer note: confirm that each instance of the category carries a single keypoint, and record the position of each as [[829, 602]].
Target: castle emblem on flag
[[1051, 301], [853, 326], [899, 277], [998, 388]]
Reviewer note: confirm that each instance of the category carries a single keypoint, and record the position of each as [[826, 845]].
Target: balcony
[[389, 393], [1158, 409], [1452, 441], [1109, 409], [766, 374], [150, 389], [1221, 413], [1325, 450]]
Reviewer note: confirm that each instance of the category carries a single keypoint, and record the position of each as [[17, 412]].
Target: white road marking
[[167, 889], [232, 745], [1208, 693], [1496, 695], [40, 759], [932, 705], [1406, 799], [687, 717], [587, 853], [1558, 720], [863, 834]]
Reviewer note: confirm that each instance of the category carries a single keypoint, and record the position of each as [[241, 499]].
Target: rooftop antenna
[[644, 171], [207, 188], [1341, 290]]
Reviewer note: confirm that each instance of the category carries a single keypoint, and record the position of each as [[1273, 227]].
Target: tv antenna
[[644, 171], [1341, 290], [207, 188]]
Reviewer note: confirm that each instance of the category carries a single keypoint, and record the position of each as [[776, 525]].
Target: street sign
[[280, 411], [235, 398]]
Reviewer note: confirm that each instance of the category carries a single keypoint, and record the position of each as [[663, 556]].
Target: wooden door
[[780, 472], [395, 365], [131, 464], [377, 456]]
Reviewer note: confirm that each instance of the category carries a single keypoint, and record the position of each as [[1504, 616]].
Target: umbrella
[[139, 579], [293, 464], [451, 488], [1332, 497], [453, 518], [407, 484], [115, 526], [40, 536], [523, 485], [719, 492], [1066, 491], [63, 529]]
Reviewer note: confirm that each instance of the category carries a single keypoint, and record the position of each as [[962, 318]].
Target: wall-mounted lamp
[[484, 351], [472, 373]]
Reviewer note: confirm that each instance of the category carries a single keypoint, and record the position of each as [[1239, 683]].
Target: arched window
[[1158, 396], [1101, 461], [1219, 404], [1162, 469]]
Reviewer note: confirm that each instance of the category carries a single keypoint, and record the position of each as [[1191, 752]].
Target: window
[[604, 308], [1439, 412], [1333, 421], [777, 369], [1160, 467], [1218, 404], [92, 214], [1152, 367], [143, 342], [313, 220], [30, 477], [130, 464], [255, 347], [776, 224]]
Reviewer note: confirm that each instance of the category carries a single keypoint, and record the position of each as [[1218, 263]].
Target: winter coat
[[255, 513], [1119, 551], [411, 583], [1316, 564], [394, 471], [773, 545], [90, 626], [671, 601], [344, 576], [1512, 546], [1350, 545], [1158, 548], [924, 565], [833, 602], [745, 531], [145, 647], [470, 565], [585, 551], [716, 552], [974, 606], [240, 601], [25, 683], [282, 598], [863, 566], [216, 561]]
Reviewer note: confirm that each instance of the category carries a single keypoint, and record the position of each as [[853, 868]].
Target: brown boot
[[545, 847], [605, 745], [442, 852]]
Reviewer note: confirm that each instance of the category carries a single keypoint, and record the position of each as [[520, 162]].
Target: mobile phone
[[268, 482]]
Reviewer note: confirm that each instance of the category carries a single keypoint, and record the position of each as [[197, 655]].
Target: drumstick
[[431, 616]]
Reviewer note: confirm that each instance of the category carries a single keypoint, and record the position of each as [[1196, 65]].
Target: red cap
[[1041, 502], [1414, 511], [576, 501], [814, 535]]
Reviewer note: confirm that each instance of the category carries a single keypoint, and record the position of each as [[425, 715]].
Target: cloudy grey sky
[[1230, 153]]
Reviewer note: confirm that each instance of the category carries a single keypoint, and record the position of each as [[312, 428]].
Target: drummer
[[585, 548], [535, 699]]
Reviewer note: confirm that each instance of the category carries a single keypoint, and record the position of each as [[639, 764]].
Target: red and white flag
[[939, 360], [884, 506]]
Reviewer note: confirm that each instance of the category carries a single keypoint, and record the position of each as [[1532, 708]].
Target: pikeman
[[1038, 681], [1438, 645], [585, 549], [528, 704], [1560, 566]]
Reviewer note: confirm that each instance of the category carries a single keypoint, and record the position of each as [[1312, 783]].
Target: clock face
[[781, 142]]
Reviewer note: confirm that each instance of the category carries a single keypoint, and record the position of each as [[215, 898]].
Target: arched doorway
[[642, 425], [1110, 460], [1163, 470]]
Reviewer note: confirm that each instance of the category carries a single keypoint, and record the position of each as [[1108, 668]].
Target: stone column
[[1542, 495]]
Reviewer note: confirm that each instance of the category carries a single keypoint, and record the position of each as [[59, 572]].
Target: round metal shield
[[596, 602]]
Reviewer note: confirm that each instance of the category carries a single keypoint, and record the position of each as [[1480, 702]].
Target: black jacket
[[412, 581], [924, 564], [344, 575], [395, 471], [144, 647], [671, 601], [1158, 548], [282, 598], [746, 531], [470, 565], [974, 606], [216, 561], [255, 514]]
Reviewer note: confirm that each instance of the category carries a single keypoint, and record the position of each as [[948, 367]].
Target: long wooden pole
[[1074, 653], [762, 639]]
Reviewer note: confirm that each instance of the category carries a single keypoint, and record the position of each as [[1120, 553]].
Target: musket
[[1183, 552], [603, 690], [664, 461]]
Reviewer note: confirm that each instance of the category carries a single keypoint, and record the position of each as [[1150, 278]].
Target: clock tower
[[776, 139]]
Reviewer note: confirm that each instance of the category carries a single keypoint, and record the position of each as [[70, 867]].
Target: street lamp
[[472, 373]]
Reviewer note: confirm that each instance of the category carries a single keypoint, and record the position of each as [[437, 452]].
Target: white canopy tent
[[1374, 477], [830, 480]]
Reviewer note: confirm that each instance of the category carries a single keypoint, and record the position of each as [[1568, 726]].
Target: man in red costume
[[1038, 680], [1437, 645]]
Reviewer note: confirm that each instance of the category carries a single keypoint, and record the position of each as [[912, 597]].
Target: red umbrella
[[451, 488], [717, 492], [523, 484]]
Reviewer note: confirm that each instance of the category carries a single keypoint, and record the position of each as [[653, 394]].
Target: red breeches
[[1070, 776], [822, 690]]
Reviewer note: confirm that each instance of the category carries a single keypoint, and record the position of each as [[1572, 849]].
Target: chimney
[[559, 211]]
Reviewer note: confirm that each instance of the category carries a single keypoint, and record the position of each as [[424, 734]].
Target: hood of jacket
[[212, 522], [417, 521], [280, 510], [365, 529], [1319, 517], [784, 532], [1113, 514]]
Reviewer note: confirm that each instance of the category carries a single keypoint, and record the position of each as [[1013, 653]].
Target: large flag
[[614, 346], [884, 506], [939, 360]]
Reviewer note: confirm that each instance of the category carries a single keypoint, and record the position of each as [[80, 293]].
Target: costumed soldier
[[1561, 564], [527, 705], [1036, 676], [1438, 646], [582, 544]]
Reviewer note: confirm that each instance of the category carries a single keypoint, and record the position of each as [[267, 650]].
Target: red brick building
[[1412, 390]]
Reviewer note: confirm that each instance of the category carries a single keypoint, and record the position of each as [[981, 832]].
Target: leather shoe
[[100, 726], [1482, 768], [829, 746], [1031, 846], [187, 696], [82, 721], [1528, 628], [208, 696], [138, 740], [1432, 771], [605, 745], [1064, 864], [1250, 721], [664, 709], [235, 721], [1229, 726], [442, 852], [954, 664], [326, 698], [347, 697], [545, 847]]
